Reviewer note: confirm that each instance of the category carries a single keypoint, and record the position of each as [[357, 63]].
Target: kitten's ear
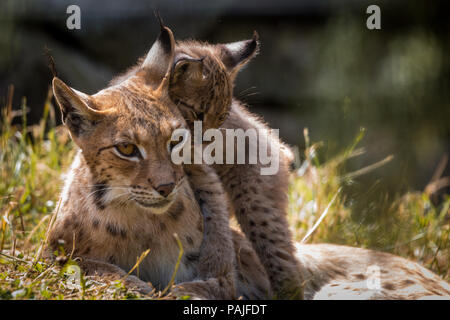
[[159, 59], [235, 55], [186, 69], [76, 112]]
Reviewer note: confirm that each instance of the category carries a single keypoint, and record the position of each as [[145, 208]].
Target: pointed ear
[[159, 59], [235, 55], [187, 70], [76, 112]]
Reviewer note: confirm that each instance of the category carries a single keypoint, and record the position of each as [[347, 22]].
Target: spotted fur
[[259, 202], [114, 208], [111, 230], [201, 84], [334, 272]]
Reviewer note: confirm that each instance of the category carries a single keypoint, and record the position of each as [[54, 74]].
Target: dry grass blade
[[2, 243], [39, 253], [322, 216], [352, 154], [440, 168], [9, 99], [13, 258], [180, 255], [6, 221], [367, 169], [73, 246], [436, 185], [50, 61], [33, 231], [138, 262]]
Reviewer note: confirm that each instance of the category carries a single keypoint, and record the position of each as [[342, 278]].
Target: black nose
[[165, 189]]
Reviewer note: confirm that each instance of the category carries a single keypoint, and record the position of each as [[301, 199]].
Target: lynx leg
[[216, 257], [252, 282], [260, 206], [220, 288]]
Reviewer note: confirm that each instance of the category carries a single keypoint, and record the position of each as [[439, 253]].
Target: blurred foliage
[[408, 225], [395, 87]]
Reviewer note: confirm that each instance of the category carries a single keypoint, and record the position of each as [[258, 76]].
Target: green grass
[[33, 158], [409, 225]]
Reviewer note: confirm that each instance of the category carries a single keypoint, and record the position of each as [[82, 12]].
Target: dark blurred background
[[319, 67]]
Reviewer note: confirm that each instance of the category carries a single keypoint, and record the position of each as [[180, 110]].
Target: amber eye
[[127, 150]]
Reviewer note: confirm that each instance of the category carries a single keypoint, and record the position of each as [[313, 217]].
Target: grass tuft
[[409, 225]]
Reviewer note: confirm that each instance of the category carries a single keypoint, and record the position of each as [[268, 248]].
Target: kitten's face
[[202, 78], [200, 85]]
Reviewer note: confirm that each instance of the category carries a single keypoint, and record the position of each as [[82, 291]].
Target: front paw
[[210, 289], [190, 291], [136, 284]]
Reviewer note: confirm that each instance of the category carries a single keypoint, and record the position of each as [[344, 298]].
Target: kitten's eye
[[127, 150]]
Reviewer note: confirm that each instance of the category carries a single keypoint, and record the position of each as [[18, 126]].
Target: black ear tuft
[[164, 35], [160, 20], [51, 62]]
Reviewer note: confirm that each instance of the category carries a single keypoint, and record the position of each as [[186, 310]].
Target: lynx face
[[124, 133]]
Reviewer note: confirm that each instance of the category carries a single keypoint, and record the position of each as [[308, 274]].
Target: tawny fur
[[111, 231], [342, 272], [259, 202], [202, 87], [112, 207]]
